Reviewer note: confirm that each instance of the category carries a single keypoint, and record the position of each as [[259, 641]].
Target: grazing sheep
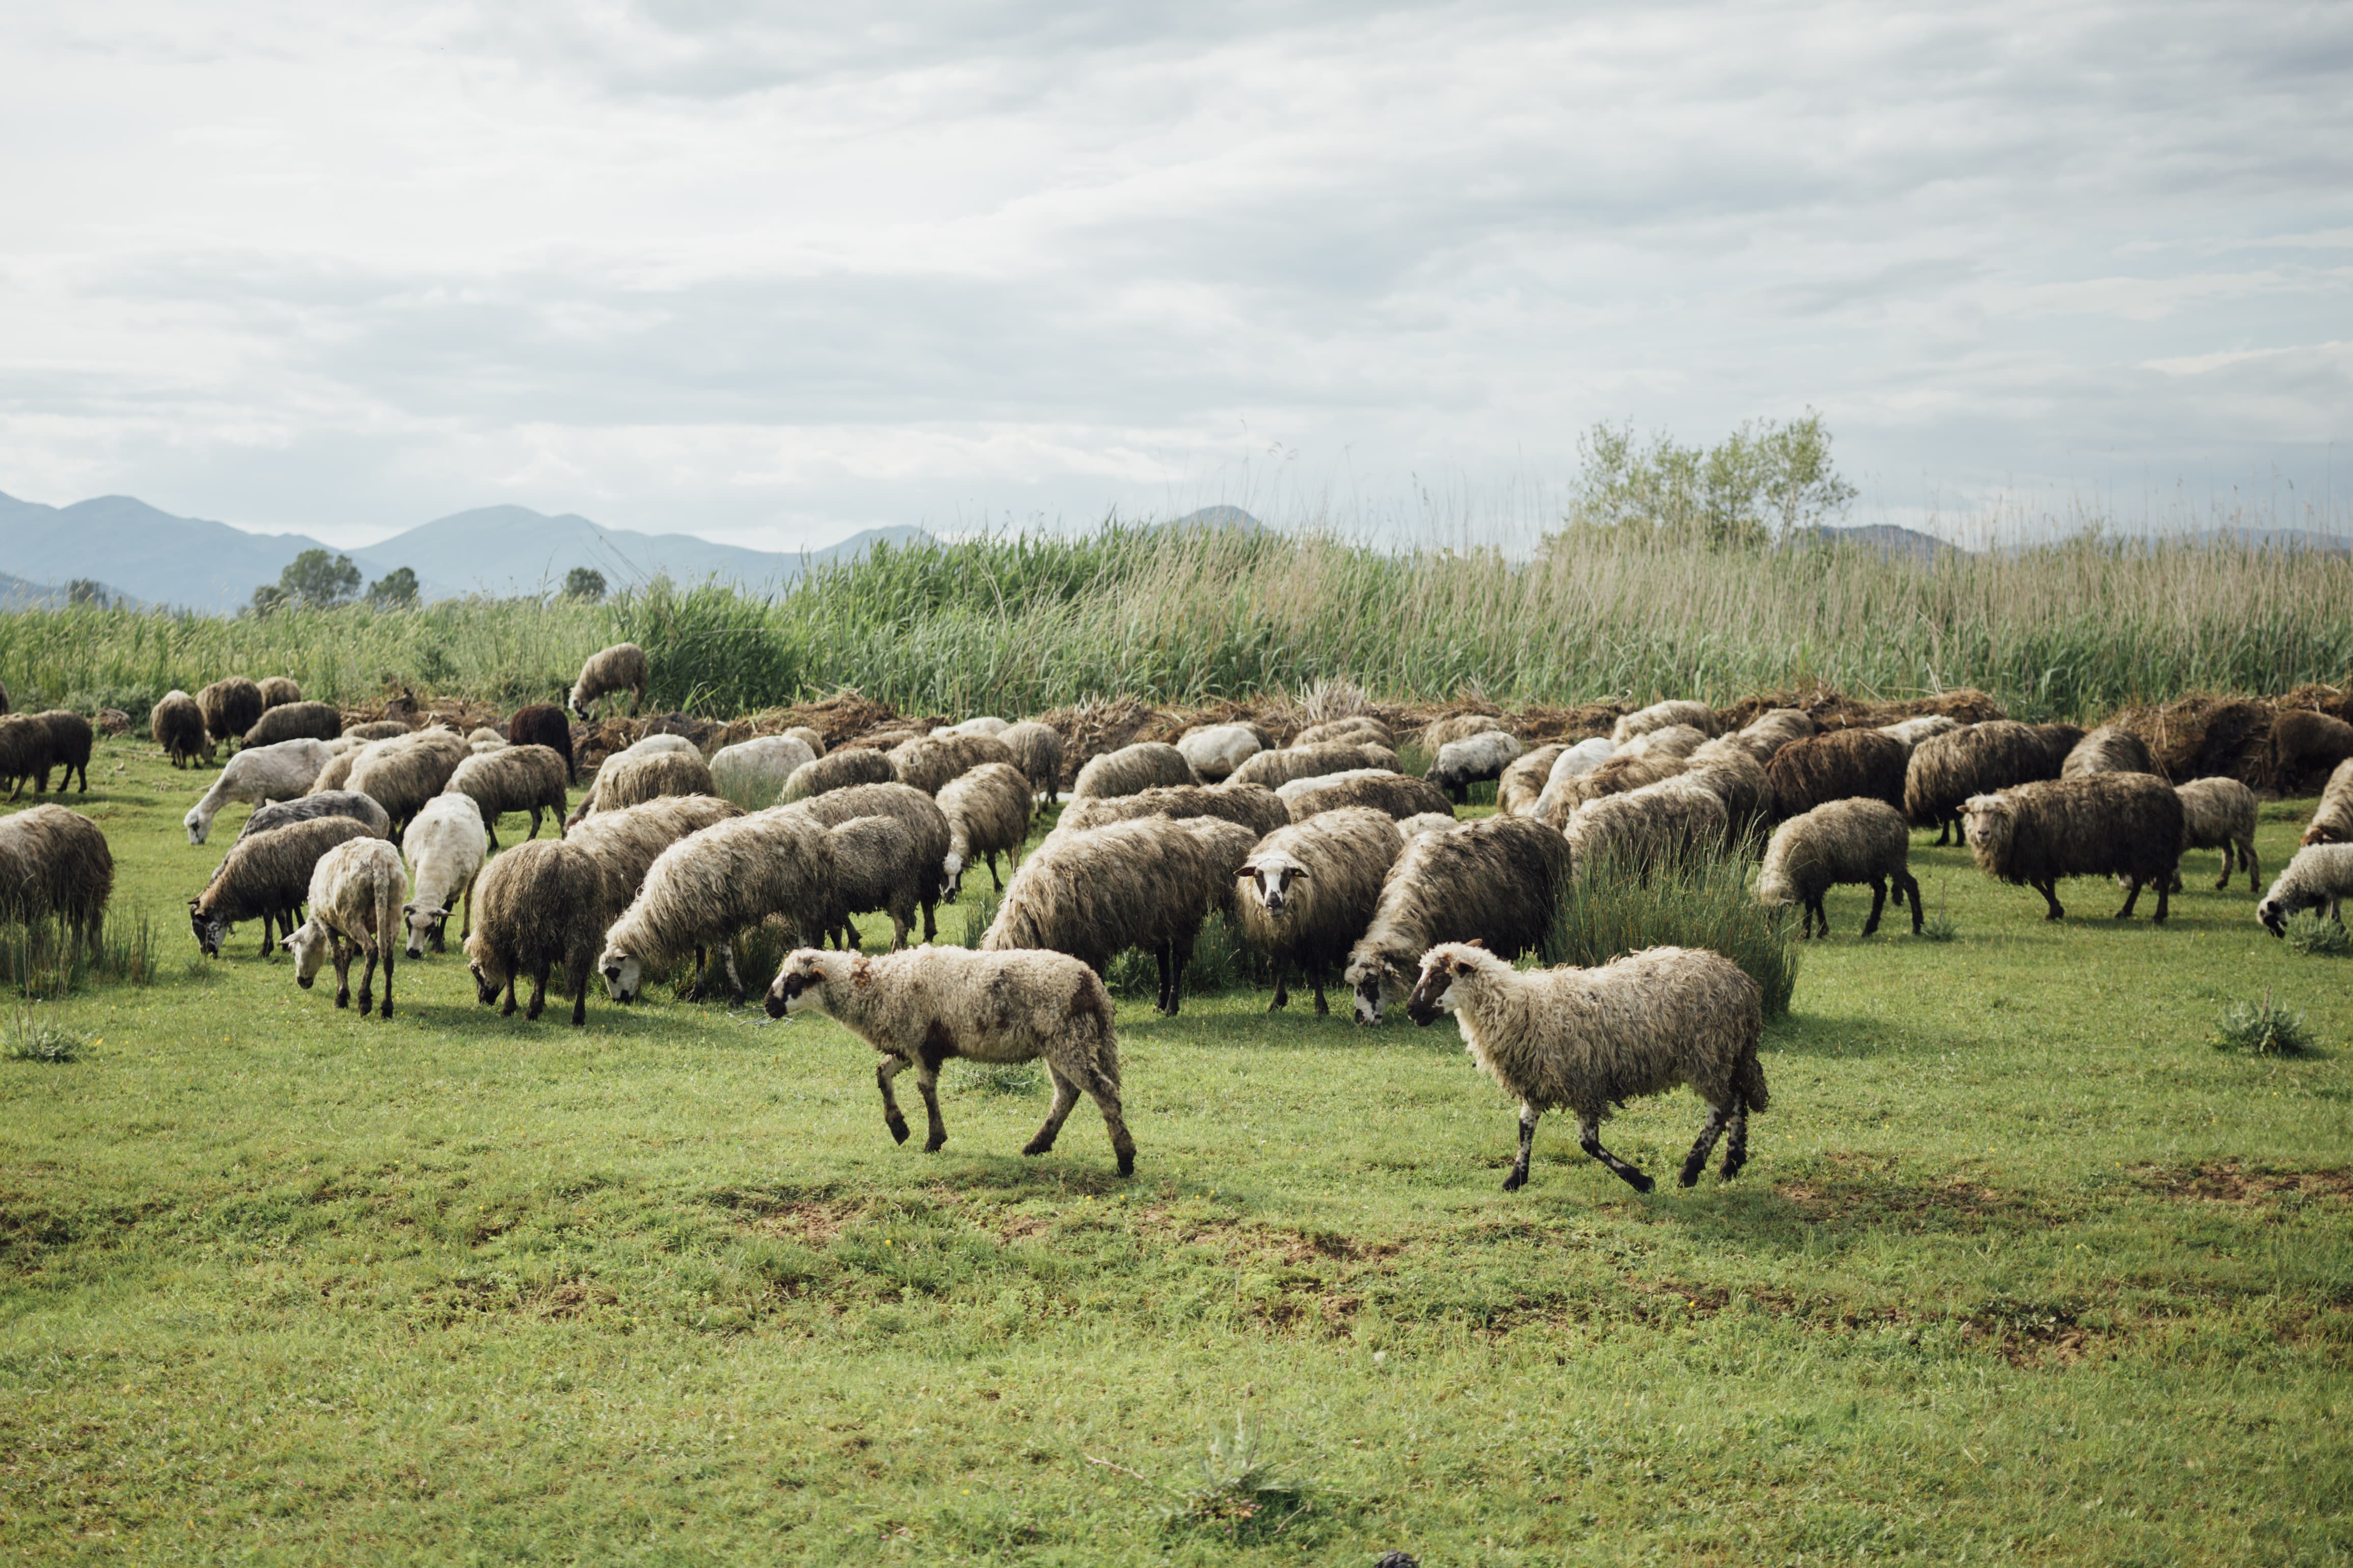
[[1215, 751], [2219, 814], [877, 866], [55, 865], [526, 907], [544, 724], [1440, 733], [1773, 729], [23, 751], [405, 772], [882, 739], [178, 726], [231, 705], [1627, 769], [1591, 1039], [2305, 744], [266, 877], [1496, 882], [71, 739], [513, 778], [335, 773], [296, 721], [1659, 715], [627, 780], [1841, 764], [355, 896], [265, 773], [2107, 749], [921, 1007], [929, 761], [1554, 798], [361, 808], [1840, 842], [1667, 742], [625, 843], [1038, 752], [644, 746], [1146, 764], [1731, 771], [1910, 732], [1395, 794], [989, 815], [1357, 729], [621, 667], [445, 846], [2332, 819], [276, 692], [752, 772], [481, 736], [914, 810], [702, 890], [2057, 740], [1947, 770], [806, 736], [379, 729], [836, 770], [1642, 828], [2320, 876], [1275, 769], [984, 725], [1149, 883], [2126, 826], [1473, 759], [1255, 806], [1428, 822], [1524, 781], [1308, 891]]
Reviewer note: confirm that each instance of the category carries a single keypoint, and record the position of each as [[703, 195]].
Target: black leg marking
[[1718, 1116], [1735, 1147], [1588, 1137], [2132, 897], [1519, 1176], [1878, 905], [2163, 904], [2050, 891], [1910, 887], [890, 1117]]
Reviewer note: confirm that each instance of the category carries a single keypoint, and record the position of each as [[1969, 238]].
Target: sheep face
[[425, 922], [1271, 876], [1433, 992], [2273, 913], [308, 944], [624, 974], [1774, 890], [196, 824], [1369, 978], [1987, 821], [211, 930], [798, 985]]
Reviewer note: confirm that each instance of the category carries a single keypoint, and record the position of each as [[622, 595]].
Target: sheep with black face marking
[[71, 739], [178, 726], [917, 812], [1496, 882], [877, 868], [544, 724], [1474, 759], [1308, 892], [1839, 843], [266, 877], [1147, 884], [2319, 878], [1038, 752], [1395, 794], [702, 892], [1357, 729], [296, 721], [2107, 749], [1840, 764], [407, 770], [361, 808], [1909, 732], [356, 891], [1255, 806], [921, 1008], [2126, 826], [836, 770], [265, 773], [1659, 715], [1215, 751], [989, 815], [929, 763], [445, 846], [752, 773], [2219, 814], [621, 667], [1146, 764], [1945, 770], [231, 705], [527, 908], [513, 778], [2332, 819], [1641, 828], [1524, 781], [55, 865], [1277, 768], [277, 690], [1591, 1039]]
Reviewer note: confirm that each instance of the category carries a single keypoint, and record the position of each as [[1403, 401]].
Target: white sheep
[[355, 895], [2320, 876], [987, 724], [1573, 764], [278, 771], [1473, 759], [752, 772], [621, 667], [1215, 751], [446, 844]]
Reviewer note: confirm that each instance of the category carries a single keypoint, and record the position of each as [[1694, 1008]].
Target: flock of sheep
[[1331, 861]]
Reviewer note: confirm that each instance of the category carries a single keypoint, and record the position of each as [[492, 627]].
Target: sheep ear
[[1478, 942]]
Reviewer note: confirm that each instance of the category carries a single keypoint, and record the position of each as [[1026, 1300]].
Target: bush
[[2316, 936], [2262, 1028], [1699, 901]]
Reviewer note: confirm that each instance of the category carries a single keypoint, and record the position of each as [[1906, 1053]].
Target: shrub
[[2316, 936], [1699, 901], [2262, 1028]]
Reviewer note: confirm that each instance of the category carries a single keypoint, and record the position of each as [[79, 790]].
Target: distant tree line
[[1765, 482], [317, 580]]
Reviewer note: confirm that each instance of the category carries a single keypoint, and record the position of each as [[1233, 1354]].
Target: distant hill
[[1887, 540], [1232, 517], [16, 593]]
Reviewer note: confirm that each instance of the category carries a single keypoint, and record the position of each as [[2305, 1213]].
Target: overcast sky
[[774, 273]]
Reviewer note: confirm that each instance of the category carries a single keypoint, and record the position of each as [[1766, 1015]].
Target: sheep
[[1428, 822], [1773, 729], [621, 667], [989, 815], [295, 722], [1308, 891], [1524, 781], [71, 739], [356, 891], [1841, 764], [512, 778], [1498, 880], [55, 865], [1439, 733], [1837, 843], [752, 772], [1639, 829], [2122, 824], [1275, 769], [2304, 744], [1255, 806], [1215, 751], [1945, 770], [625, 843], [2219, 814], [2320, 876], [1667, 742], [1357, 729], [1731, 771], [1474, 759], [405, 772], [23, 751], [1396, 794], [2332, 819], [1659, 715], [446, 845], [703, 890], [1143, 766], [267, 877], [1591, 1039], [335, 773], [1910, 732], [1627, 769], [276, 691], [644, 746], [837, 770], [921, 1007], [278, 771], [360, 808], [917, 812], [1556, 797], [806, 736], [2107, 749], [877, 866], [178, 726], [1149, 883], [379, 729], [929, 761], [231, 704], [2057, 740], [633, 779], [482, 737], [1038, 752], [882, 739], [544, 724], [986, 725], [527, 907]]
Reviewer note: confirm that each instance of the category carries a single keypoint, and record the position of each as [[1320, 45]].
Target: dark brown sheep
[[23, 751], [71, 739], [276, 691], [231, 704], [2126, 826], [266, 877], [526, 904], [55, 864], [1842, 764], [544, 724], [1948, 768], [296, 721], [2306, 747]]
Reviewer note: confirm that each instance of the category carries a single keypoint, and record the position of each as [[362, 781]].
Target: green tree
[[1764, 482], [267, 598], [85, 590], [395, 590], [584, 582], [318, 579]]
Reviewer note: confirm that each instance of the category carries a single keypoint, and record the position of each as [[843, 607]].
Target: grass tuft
[[1242, 1493], [2262, 1028], [2316, 936], [40, 1034], [1698, 901]]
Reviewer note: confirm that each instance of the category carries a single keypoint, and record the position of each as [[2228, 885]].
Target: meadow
[[2024, 1270]]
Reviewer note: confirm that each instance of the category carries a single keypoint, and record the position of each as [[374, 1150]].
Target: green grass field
[[2023, 1270]]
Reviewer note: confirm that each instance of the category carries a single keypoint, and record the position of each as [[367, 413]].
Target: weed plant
[[48, 958], [2316, 936], [38, 1034], [2262, 1028]]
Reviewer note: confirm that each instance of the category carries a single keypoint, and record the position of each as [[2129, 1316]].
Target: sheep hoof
[[1127, 1163], [387, 1012], [1039, 1146], [931, 1144], [342, 999], [1516, 1180], [898, 1130], [1641, 1183]]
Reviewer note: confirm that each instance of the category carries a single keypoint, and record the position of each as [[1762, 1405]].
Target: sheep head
[[624, 974], [1433, 991], [197, 823], [1271, 875], [1987, 821], [309, 943], [799, 983], [211, 930], [425, 922]]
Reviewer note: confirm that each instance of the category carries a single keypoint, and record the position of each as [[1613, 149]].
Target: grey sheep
[[929, 763], [2320, 876], [1255, 806], [2126, 826], [1641, 828], [379, 729], [1839, 843], [2219, 814], [621, 667], [917, 812], [921, 1008], [1659, 715], [988, 812], [527, 909], [1357, 729], [877, 866], [1395, 794], [1215, 751], [2107, 749], [1591, 1039], [1909, 732], [278, 771], [704, 890], [752, 773], [1146, 764], [1773, 729], [1308, 892], [55, 865], [986, 725], [361, 808], [1275, 769], [445, 845], [634, 779], [1945, 770], [836, 770], [516, 778], [1566, 796], [1496, 882], [2332, 819], [296, 721], [405, 772], [1038, 752], [231, 704], [178, 726], [1474, 759], [1524, 781], [266, 877], [276, 692], [1143, 884], [356, 891], [335, 773]]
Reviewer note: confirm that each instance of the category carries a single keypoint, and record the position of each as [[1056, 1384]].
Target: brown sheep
[[295, 722], [178, 726], [621, 667], [55, 865], [1840, 765], [231, 704], [71, 739], [276, 691], [544, 724]]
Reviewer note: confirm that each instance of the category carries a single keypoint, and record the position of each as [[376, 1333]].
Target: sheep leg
[[734, 980], [992, 871], [535, 813], [931, 928], [927, 1084], [1908, 886], [1281, 996], [2050, 891], [1735, 1147], [1161, 953], [508, 1011], [491, 827], [1315, 979], [1813, 911], [538, 991], [899, 925], [1180, 953], [1066, 1095], [890, 1117], [1878, 904], [1588, 1137], [2132, 897], [2163, 904], [367, 987], [386, 1010], [343, 955], [1519, 1173], [1105, 1094], [1718, 1116], [2247, 858]]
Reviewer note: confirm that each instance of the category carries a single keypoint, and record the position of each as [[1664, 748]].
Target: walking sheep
[[1524, 781], [703, 891], [1255, 806], [355, 896], [361, 808], [1643, 829], [1038, 752], [1659, 715], [921, 1008], [2126, 826], [914, 810], [2319, 878], [445, 846], [1473, 759], [929, 761], [178, 726], [1395, 794], [295, 722], [266, 877], [513, 778], [989, 815], [527, 907], [265, 773], [1947, 770], [1357, 729], [231, 705], [752, 773], [2332, 819], [621, 667], [1591, 1039], [836, 770], [23, 751], [1215, 751], [1495, 881], [2219, 814], [2107, 749], [1275, 769], [276, 692], [1144, 765], [70, 740], [55, 865], [1309, 890], [1841, 764], [1840, 842], [544, 724]]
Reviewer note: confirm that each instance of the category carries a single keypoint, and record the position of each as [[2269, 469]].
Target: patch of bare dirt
[[2229, 1182]]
